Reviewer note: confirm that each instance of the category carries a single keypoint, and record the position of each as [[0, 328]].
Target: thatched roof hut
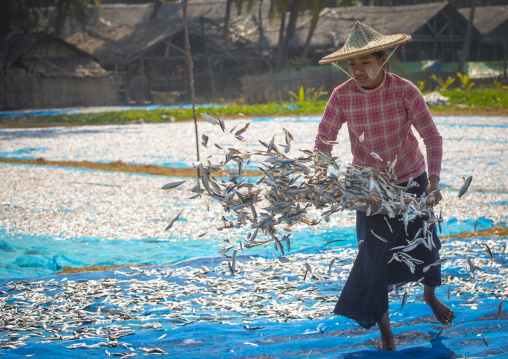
[[46, 55], [492, 23], [146, 41], [40, 70]]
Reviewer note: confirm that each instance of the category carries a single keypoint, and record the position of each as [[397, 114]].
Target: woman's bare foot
[[386, 333], [442, 312]]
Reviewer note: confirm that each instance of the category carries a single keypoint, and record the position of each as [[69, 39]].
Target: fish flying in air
[[173, 221], [465, 186], [172, 185]]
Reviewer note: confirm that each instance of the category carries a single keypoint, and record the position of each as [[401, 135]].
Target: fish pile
[[129, 311], [288, 188]]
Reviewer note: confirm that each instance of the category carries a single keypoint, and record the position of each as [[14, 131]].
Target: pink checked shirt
[[385, 115]]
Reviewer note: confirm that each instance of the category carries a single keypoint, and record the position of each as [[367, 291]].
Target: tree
[[278, 9], [467, 40], [228, 14], [29, 15], [318, 6], [239, 5]]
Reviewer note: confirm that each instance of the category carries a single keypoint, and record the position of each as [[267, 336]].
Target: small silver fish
[[205, 140], [330, 143], [388, 223], [330, 266], [172, 185], [404, 300], [173, 221], [362, 137], [489, 252], [377, 236], [439, 261], [251, 328], [221, 124], [283, 259], [472, 267], [376, 156], [209, 119], [465, 186]]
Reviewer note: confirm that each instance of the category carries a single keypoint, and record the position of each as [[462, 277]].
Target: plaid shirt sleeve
[[419, 115], [330, 124]]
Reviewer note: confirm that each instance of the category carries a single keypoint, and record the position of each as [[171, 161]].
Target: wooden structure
[[142, 45], [39, 70], [148, 58], [492, 23]]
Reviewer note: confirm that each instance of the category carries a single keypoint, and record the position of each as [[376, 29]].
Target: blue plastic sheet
[[34, 259], [477, 332], [25, 255]]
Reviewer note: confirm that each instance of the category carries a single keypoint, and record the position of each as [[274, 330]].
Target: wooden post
[[190, 66], [207, 54], [142, 80], [467, 40], [505, 56]]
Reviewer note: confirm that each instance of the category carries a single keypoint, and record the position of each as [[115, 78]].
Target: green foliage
[[34, 15], [310, 94], [470, 99], [443, 85], [496, 85], [299, 62], [476, 99], [465, 80], [421, 85]]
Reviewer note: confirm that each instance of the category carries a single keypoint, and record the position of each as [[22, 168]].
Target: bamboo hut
[[148, 57], [492, 23], [40, 70]]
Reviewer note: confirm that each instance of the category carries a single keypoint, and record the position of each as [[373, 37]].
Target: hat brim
[[386, 42]]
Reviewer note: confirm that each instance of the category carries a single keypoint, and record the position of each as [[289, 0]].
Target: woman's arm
[[330, 124]]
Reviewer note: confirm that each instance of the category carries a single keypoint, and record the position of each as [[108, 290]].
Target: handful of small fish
[[289, 187]]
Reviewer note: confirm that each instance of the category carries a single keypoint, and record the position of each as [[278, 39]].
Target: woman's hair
[[379, 54]]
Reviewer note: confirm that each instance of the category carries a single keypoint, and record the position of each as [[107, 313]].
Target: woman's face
[[365, 70]]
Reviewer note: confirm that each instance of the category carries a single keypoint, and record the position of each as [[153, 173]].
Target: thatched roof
[[489, 19], [119, 33], [112, 39], [29, 51]]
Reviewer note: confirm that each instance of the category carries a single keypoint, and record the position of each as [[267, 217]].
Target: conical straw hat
[[364, 40]]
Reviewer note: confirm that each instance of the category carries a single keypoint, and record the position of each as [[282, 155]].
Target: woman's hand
[[433, 190]]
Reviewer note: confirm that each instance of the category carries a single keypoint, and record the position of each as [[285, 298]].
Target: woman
[[379, 109]]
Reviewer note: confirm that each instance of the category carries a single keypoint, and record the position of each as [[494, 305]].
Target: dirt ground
[[119, 166]]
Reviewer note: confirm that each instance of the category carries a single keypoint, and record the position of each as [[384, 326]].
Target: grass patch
[[465, 100], [478, 99], [181, 114]]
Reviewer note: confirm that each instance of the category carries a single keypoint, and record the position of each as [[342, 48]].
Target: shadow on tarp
[[41, 255]]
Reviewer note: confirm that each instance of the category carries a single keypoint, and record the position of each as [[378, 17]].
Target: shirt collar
[[374, 90]]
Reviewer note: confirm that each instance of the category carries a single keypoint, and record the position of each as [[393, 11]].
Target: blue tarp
[[34, 261], [478, 332]]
